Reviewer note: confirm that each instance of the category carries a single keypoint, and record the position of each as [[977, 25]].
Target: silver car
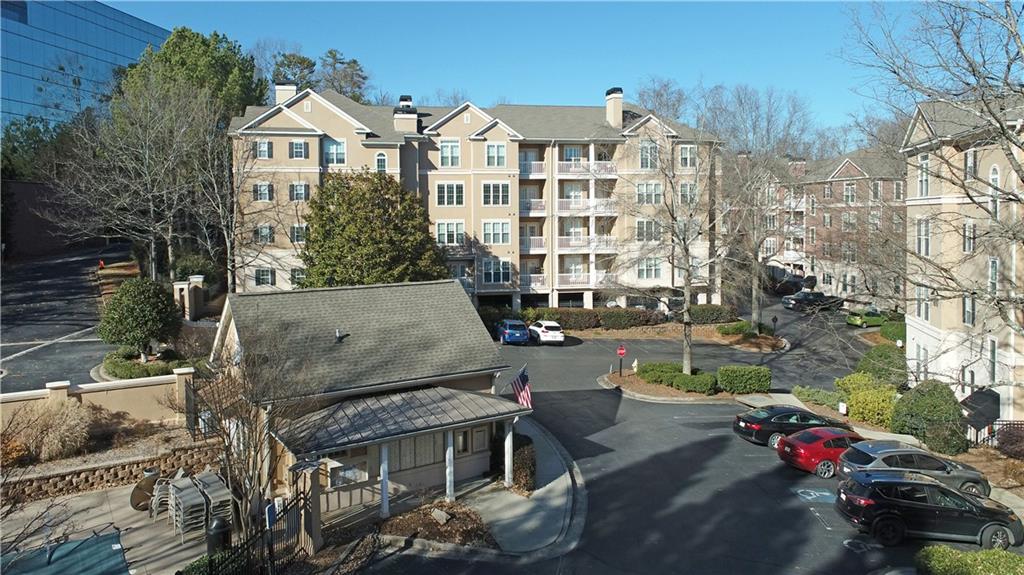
[[879, 455]]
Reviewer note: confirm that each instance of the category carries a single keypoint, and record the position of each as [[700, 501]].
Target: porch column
[[385, 508], [508, 452], [449, 466]]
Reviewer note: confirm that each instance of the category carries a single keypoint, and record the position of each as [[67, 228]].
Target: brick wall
[[125, 472]]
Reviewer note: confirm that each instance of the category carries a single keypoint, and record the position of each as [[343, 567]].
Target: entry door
[[573, 191], [528, 155], [574, 267], [573, 153], [529, 192], [528, 230], [573, 228]]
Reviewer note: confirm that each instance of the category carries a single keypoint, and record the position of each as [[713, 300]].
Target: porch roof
[[375, 418], [982, 408]]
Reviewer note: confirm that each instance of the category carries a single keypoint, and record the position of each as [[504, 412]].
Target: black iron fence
[[199, 419], [990, 435], [265, 552]]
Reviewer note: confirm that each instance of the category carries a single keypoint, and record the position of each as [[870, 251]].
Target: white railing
[[586, 167], [573, 205], [532, 243], [792, 255], [795, 230], [573, 242], [533, 280], [531, 168], [467, 282], [605, 242], [604, 278], [604, 205], [532, 206], [574, 280]]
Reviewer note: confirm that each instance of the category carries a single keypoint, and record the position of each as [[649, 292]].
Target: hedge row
[[737, 379], [744, 328], [943, 560], [820, 396], [1010, 441], [123, 364], [894, 331], [574, 317], [744, 379], [887, 363], [873, 405], [705, 313]]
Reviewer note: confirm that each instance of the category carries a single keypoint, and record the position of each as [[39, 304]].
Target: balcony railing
[[605, 242], [467, 283], [533, 280], [530, 206], [573, 205], [586, 167], [573, 242], [531, 169], [532, 243], [586, 279], [606, 206]]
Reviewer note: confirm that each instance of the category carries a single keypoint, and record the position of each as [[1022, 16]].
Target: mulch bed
[[674, 331], [630, 382], [874, 338], [1002, 471], [463, 528]]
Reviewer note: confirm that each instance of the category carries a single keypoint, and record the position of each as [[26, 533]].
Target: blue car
[[512, 331]]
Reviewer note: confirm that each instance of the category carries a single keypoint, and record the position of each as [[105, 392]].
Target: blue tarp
[[95, 555]]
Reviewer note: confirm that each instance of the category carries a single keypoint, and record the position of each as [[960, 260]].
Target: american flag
[[521, 387]]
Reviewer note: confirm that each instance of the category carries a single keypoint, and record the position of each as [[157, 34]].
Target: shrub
[[659, 373], [820, 396], [744, 328], [886, 362], [931, 413], [201, 565], [1014, 469], [855, 382], [578, 318], [140, 311], [13, 451], [894, 316], [56, 430], [894, 331], [873, 405], [1010, 441], [700, 383], [123, 364], [196, 265], [744, 379], [492, 315], [626, 317], [703, 313], [943, 560]]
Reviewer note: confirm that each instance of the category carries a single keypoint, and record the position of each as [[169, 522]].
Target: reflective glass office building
[[59, 57]]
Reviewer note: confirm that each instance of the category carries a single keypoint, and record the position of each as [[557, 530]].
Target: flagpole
[[500, 391]]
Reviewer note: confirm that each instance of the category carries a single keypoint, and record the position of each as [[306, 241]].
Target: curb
[[567, 540], [99, 374], [603, 382]]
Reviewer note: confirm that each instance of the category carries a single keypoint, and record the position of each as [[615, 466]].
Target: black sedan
[[767, 425]]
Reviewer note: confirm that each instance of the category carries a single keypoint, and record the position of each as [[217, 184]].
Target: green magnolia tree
[[365, 229], [141, 311], [295, 68], [213, 62]]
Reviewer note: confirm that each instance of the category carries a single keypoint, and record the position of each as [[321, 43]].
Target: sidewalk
[[524, 524]]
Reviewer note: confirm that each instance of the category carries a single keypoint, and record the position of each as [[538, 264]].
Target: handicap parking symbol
[[815, 495]]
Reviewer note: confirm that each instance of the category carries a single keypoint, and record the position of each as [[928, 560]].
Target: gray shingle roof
[[877, 163], [372, 418], [396, 333], [251, 113], [950, 120]]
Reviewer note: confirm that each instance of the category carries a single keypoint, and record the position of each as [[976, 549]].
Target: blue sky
[[564, 53]]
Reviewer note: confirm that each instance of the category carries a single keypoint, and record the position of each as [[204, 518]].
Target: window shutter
[[273, 276], [270, 149], [305, 150], [270, 191], [256, 235], [291, 151], [291, 192], [255, 192], [255, 149]]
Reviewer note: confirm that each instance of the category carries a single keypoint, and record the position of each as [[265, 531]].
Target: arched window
[[382, 162], [993, 202], [993, 176]]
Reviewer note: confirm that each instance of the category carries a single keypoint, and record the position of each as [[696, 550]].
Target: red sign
[[621, 351]]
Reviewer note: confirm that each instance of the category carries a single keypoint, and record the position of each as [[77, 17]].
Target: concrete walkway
[[524, 524]]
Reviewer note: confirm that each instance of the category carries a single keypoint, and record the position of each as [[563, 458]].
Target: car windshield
[[516, 325], [806, 437], [857, 457], [757, 413], [553, 327]]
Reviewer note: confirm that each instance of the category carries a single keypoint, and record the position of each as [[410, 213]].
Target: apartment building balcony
[[574, 244], [458, 251], [586, 168], [794, 204], [605, 243], [598, 206], [791, 256], [573, 206], [532, 170], [467, 284], [794, 230], [532, 283], [532, 207], [532, 245], [604, 206], [586, 280]]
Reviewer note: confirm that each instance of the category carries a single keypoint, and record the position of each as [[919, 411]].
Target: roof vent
[[338, 336]]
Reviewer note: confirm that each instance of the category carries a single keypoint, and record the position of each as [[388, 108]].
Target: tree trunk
[[687, 324], [170, 252], [229, 262], [152, 258], [755, 296]]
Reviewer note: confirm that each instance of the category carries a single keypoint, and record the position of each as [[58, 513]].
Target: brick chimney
[[284, 91], [406, 119], [613, 107]]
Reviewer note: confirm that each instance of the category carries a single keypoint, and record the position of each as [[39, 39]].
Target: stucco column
[[385, 507], [588, 299], [310, 539], [182, 379], [57, 391], [509, 426], [449, 466]]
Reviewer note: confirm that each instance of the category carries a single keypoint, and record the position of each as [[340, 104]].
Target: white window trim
[[692, 156], [450, 183], [657, 191], [447, 222], [449, 141], [992, 283], [344, 145], [305, 190], [291, 150], [263, 146], [493, 183], [969, 231], [505, 155], [499, 262], [504, 222], [645, 144], [261, 186], [992, 360], [256, 277], [923, 175], [291, 233], [897, 191]]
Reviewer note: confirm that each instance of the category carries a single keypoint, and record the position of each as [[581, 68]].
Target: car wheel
[[825, 469], [774, 440], [995, 537], [972, 488], [889, 532]]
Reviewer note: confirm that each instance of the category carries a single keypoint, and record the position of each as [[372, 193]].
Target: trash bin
[[218, 536], [150, 472]]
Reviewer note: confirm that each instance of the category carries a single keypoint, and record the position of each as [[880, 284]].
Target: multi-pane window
[[497, 232], [449, 194], [922, 175], [298, 233], [876, 190], [648, 155], [812, 235], [572, 153], [687, 156], [688, 194], [298, 275], [334, 152], [828, 192], [648, 193], [771, 221], [826, 220], [382, 162], [970, 232], [263, 192], [923, 303], [993, 202], [924, 237], [849, 221], [451, 150], [968, 307], [826, 279], [875, 221], [992, 361], [298, 191], [264, 150], [298, 150], [496, 271], [897, 191], [450, 232], [646, 231], [814, 206], [770, 247], [850, 192], [495, 155], [993, 276], [264, 276], [826, 249], [496, 194], [849, 253], [263, 234], [971, 164], [648, 268]]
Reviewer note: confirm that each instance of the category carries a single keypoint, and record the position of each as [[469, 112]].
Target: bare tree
[[663, 97], [962, 63], [446, 97], [265, 51]]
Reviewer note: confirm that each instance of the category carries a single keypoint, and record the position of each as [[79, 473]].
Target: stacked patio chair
[[217, 494], [187, 507], [162, 493]]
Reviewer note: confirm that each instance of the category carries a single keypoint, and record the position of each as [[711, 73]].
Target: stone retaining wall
[[103, 476]]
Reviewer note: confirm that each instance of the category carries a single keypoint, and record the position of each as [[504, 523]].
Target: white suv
[[547, 332]]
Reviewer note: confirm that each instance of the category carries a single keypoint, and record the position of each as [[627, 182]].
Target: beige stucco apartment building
[[534, 205], [961, 267]]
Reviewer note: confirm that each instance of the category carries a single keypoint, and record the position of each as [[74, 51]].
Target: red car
[[816, 450]]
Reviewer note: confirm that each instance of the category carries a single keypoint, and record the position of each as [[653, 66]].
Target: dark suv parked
[[878, 455], [891, 505]]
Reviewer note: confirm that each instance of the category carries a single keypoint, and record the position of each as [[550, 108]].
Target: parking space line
[[822, 519], [48, 343]]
